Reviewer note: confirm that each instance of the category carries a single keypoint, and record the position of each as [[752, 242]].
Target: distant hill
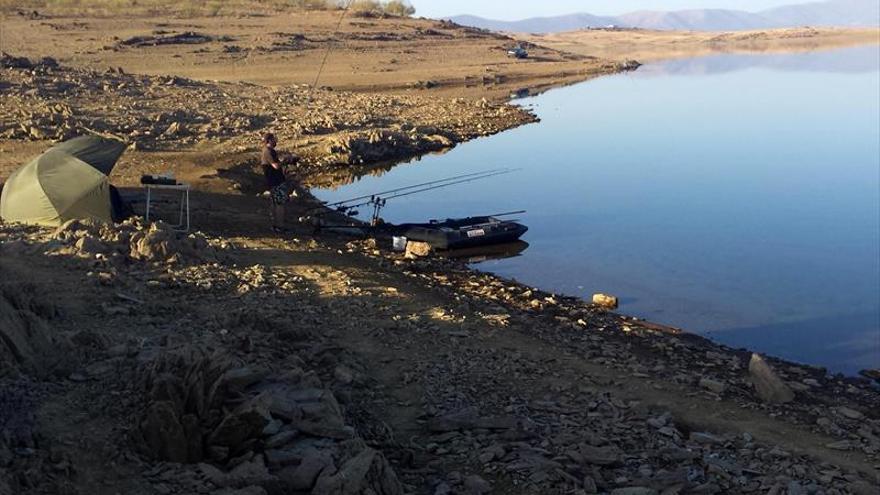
[[846, 13], [849, 13], [570, 22], [695, 20]]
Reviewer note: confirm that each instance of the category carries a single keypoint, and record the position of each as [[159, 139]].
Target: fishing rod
[[423, 184], [440, 186], [379, 198], [505, 214], [345, 6], [379, 202]]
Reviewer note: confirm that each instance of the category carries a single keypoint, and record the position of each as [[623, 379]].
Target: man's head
[[269, 140]]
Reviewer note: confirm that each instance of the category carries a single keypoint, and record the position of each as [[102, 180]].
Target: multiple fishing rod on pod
[[378, 200], [450, 234]]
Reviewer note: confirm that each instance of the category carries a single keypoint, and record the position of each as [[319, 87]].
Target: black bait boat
[[452, 233], [459, 233]]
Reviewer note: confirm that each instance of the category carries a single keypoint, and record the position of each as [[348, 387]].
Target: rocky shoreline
[[45, 101], [248, 398]]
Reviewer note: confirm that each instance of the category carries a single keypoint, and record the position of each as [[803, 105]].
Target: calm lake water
[[736, 196]]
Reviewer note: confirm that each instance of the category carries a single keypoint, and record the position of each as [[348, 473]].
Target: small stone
[[795, 488], [704, 438], [590, 485], [416, 249], [605, 301], [89, 245], [272, 428], [713, 385], [658, 422], [217, 453], [212, 474], [246, 422], [849, 413], [343, 375], [600, 456], [303, 477], [443, 489], [669, 432], [634, 490], [862, 488], [173, 130], [840, 445], [277, 458], [281, 439], [475, 485], [253, 472]]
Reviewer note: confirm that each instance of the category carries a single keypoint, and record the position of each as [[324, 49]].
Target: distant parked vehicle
[[518, 52]]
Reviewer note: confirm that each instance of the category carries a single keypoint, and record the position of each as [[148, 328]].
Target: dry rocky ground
[[134, 359], [138, 360], [44, 101], [394, 54]]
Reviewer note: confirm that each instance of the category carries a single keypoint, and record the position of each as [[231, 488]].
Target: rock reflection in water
[[340, 177]]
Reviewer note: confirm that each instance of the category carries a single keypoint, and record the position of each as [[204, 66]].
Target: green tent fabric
[[99, 152], [58, 185]]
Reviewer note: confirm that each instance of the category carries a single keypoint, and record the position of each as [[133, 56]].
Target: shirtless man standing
[[279, 188]]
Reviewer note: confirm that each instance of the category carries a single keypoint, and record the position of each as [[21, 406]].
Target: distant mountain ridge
[[842, 13]]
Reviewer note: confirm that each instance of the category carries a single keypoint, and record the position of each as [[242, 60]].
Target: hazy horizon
[[509, 11]]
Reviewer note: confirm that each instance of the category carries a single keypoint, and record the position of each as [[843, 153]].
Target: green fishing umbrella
[[66, 182]]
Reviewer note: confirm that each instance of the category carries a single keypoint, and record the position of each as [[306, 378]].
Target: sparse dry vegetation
[[392, 7]]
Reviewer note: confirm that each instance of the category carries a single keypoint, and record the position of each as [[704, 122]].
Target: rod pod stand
[[378, 203]]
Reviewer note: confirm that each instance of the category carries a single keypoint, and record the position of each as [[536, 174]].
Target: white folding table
[[183, 189]]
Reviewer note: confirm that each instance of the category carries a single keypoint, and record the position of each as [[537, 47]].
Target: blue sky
[[519, 9]]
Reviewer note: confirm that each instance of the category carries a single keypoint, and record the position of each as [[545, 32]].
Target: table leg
[[148, 205], [180, 214]]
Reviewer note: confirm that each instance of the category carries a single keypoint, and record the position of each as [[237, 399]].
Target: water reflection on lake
[[858, 59], [731, 195]]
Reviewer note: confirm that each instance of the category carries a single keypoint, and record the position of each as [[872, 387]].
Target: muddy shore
[[139, 360]]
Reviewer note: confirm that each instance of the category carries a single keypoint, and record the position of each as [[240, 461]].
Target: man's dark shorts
[[280, 194]]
